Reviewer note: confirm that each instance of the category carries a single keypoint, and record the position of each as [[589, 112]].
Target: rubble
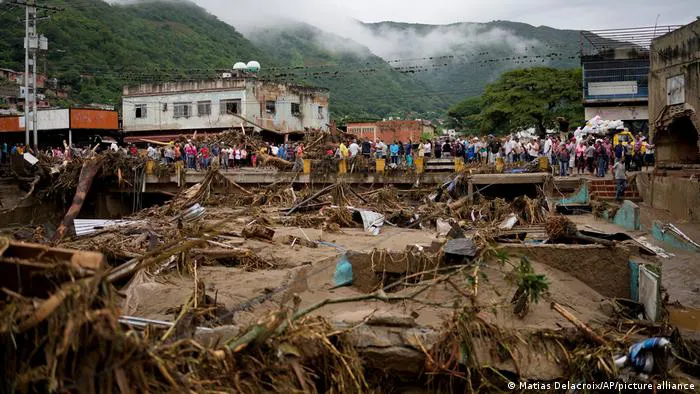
[[233, 288]]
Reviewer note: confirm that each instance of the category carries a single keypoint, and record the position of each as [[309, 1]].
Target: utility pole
[[32, 44]]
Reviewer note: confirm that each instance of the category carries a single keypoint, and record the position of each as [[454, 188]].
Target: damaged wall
[[289, 107], [606, 270], [213, 104], [674, 94], [679, 196]]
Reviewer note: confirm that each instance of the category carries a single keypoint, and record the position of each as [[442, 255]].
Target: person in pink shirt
[[580, 157]]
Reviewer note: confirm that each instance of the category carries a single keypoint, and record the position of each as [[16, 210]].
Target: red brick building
[[391, 130]]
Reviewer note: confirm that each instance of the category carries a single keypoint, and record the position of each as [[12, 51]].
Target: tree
[[533, 97], [461, 116]]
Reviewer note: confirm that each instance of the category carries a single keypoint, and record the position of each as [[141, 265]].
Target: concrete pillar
[[70, 137]]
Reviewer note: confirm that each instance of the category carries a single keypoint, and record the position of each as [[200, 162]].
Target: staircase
[[604, 190]]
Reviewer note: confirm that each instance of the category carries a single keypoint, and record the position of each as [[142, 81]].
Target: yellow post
[[380, 164], [419, 165], [459, 164], [343, 166], [149, 167], [500, 165], [307, 166]]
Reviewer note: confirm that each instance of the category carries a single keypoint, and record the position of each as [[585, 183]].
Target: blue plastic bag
[[343, 272]]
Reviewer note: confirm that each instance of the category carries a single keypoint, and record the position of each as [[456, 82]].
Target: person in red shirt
[[204, 151], [134, 152]]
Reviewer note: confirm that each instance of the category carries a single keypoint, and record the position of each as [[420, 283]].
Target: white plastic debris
[[372, 221], [30, 158], [509, 222]]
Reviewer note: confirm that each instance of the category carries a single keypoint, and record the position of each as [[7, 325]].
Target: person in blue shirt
[[394, 151], [471, 151], [408, 151]]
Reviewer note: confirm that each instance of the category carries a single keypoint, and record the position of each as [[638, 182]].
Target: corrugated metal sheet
[[97, 119], [10, 124], [88, 226]]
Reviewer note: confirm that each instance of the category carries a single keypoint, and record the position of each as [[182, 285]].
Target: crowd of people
[[200, 156], [592, 155]]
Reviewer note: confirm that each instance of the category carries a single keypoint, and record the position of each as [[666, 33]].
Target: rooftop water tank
[[239, 66], [253, 66]]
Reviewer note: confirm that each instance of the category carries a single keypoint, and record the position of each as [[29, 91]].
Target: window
[[230, 107], [320, 112], [182, 110], [204, 108], [141, 112], [270, 107], [296, 109]]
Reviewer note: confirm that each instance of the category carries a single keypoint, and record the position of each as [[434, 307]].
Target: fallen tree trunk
[[90, 168], [224, 253], [275, 161], [585, 328]]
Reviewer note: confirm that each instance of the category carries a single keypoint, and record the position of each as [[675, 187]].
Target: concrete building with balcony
[[164, 110], [674, 99], [615, 65]]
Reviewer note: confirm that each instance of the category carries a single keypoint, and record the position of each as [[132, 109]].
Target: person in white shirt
[[427, 148], [548, 149], [354, 149], [152, 152], [508, 146], [275, 150], [381, 149]]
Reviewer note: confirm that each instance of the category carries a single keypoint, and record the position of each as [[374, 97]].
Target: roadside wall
[[606, 270], [680, 196]]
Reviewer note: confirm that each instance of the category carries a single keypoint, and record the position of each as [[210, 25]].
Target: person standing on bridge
[[381, 149], [366, 148], [394, 150], [428, 149], [354, 149]]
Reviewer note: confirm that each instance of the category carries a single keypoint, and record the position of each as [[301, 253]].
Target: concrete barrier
[[660, 233], [628, 216]]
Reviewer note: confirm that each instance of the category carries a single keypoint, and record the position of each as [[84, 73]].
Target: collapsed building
[[161, 111]]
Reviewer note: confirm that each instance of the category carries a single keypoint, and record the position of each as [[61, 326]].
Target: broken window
[[296, 109], [229, 107], [182, 110], [270, 107], [140, 111], [320, 112], [204, 108]]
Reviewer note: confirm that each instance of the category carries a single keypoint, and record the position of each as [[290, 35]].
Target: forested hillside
[[95, 47]]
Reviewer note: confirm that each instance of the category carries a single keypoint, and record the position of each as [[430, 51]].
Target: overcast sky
[[563, 14]]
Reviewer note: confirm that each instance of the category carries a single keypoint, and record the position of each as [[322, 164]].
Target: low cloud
[[387, 41]]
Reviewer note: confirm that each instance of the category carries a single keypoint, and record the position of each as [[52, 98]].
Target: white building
[[223, 104]]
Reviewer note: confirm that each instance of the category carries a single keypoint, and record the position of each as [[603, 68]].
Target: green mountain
[[459, 59], [362, 84], [95, 47], [387, 69]]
